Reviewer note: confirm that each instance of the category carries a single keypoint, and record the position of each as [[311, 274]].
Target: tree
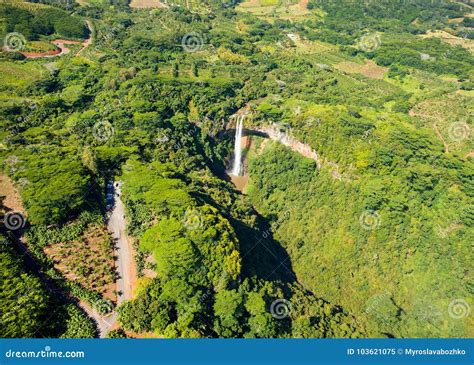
[[229, 311], [175, 70], [24, 302]]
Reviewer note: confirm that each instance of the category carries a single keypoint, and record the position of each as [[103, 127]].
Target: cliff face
[[274, 132]]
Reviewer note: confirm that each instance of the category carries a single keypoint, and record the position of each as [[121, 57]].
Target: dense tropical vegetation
[[372, 239]]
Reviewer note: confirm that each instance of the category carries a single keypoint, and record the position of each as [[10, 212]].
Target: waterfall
[[238, 146]]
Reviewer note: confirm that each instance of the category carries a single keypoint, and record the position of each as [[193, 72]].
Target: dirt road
[[61, 46], [124, 264]]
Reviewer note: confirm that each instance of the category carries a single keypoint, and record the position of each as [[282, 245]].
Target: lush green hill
[[33, 21]]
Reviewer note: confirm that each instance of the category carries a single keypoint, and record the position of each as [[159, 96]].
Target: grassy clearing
[[87, 261], [314, 51], [450, 39], [20, 73], [423, 85], [39, 46], [32, 7]]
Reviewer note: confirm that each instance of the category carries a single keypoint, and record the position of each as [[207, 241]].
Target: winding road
[[61, 45]]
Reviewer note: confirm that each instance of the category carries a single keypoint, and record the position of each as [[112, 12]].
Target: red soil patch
[[240, 182], [440, 136], [148, 273], [250, 4], [469, 155], [59, 42], [43, 54]]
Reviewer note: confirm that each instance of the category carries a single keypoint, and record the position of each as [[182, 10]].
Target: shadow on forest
[[262, 255]]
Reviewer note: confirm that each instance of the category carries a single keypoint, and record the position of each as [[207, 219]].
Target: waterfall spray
[[238, 146]]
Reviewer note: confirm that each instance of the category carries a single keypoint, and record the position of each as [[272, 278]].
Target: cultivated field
[[368, 69], [282, 9], [87, 261]]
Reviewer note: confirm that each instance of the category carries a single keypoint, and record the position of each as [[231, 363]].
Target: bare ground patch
[[449, 116], [12, 199]]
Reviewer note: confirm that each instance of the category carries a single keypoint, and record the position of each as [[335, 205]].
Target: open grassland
[[39, 46], [450, 39], [32, 7], [282, 9], [191, 5]]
